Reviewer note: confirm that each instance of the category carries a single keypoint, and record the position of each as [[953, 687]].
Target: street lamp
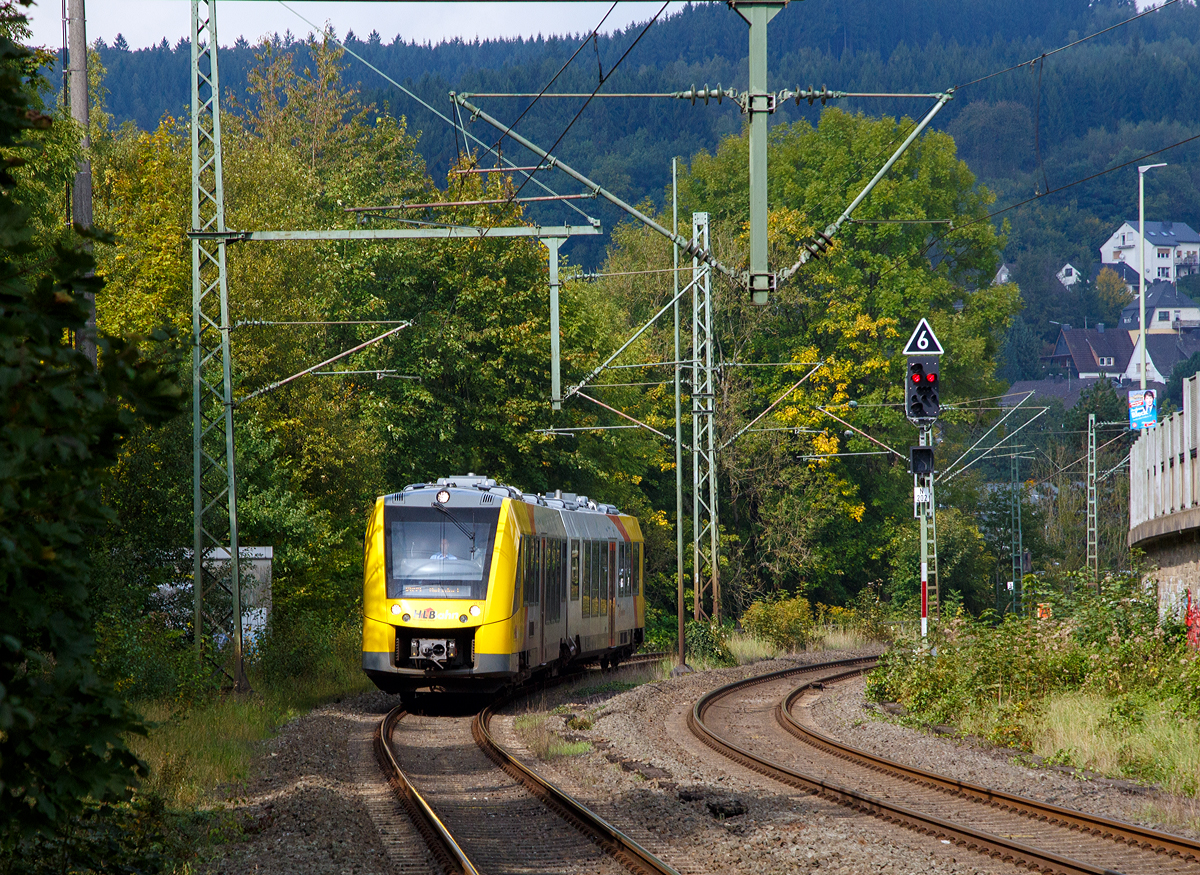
[[1142, 261]]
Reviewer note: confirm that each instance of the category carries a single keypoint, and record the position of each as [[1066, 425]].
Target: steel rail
[[612, 840], [1118, 831], [991, 845], [441, 843]]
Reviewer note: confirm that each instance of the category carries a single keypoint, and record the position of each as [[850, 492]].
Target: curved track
[[482, 811], [752, 722]]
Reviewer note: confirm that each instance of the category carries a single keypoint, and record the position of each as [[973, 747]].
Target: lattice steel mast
[[1018, 547], [214, 475], [1093, 540], [705, 530]]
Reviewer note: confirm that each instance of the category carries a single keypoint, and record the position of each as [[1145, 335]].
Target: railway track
[[753, 723], [481, 810]]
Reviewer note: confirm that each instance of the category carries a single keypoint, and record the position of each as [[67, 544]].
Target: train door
[[576, 560], [613, 577], [540, 637]]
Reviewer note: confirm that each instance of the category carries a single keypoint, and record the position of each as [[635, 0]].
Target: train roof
[[472, 490]]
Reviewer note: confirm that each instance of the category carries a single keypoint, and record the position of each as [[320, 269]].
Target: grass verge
[[543, 742], [192, 751], [194, 748], [1146, 742]]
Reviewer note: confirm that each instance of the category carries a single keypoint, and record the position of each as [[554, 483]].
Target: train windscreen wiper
[[454, 519]]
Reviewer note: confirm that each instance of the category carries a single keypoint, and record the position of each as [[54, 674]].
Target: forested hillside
[[1079, 112]]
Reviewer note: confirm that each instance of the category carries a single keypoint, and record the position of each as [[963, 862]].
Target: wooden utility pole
[[81, 192]]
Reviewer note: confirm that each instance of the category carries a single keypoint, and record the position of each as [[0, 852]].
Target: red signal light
[[931, 378], [916, 378]]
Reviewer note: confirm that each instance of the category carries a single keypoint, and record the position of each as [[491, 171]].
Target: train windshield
[[435, 554]]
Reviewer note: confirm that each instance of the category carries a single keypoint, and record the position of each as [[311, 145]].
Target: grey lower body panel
[[491, 672]]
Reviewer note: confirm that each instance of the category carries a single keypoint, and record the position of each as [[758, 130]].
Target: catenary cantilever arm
[[832, 229]]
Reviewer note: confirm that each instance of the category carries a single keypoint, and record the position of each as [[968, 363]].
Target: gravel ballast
[[316, 801], [842, 713]]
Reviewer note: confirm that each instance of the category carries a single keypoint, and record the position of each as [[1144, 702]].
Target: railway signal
[[922, 406], [920, 460], [921, 391]]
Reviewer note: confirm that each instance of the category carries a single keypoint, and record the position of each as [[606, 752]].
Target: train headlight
[[475, 610], [406, 617], [462, 618], [396, 609], [443, 496]]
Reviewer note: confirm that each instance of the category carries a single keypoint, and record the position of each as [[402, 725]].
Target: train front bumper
[[388, 660]]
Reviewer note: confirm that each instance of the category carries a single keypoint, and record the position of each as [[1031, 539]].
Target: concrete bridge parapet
[[1164, 501]]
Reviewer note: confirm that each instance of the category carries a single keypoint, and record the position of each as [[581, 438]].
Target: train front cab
[[397, 621], [560, 586]]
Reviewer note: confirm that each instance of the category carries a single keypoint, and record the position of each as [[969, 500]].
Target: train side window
[[564, 564], [619, 585], [574, 570], [621, 569], [553, 580], [630, 571], [585, 571], [596, 579], [560, 576], [605, 574], [623, 552], [533, 565]]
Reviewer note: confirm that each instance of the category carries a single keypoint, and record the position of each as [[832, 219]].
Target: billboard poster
[[1143, 408]]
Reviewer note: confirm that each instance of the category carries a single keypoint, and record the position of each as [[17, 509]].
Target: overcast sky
[[146, 22]]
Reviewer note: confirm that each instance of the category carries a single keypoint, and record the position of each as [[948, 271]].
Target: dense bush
[[994, 675], [662, 630], [708, 641], [785, 622], [139, 838], [305, 645], [63, 729]]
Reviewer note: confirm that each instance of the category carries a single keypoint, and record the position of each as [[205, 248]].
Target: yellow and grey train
[[473, 586]]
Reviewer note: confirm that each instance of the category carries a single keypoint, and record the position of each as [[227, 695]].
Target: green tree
[[1179, 373], [312, 456], [1101, 399], [818, 523], [1112, 295], [964, 563], [61, 727], [1022, 353]]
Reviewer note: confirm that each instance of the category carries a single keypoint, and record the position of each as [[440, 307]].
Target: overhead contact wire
[[600, 85], [419, 100], [969, 222], [591, 38], [1069, 45]]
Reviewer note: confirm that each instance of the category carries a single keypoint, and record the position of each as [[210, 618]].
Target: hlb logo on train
[[430, 613]]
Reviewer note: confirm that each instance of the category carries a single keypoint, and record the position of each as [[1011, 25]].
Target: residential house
[[1163, 353], [1003, 275], [1092, 353], [1172, 249], [1069, 275], [1168, 310]]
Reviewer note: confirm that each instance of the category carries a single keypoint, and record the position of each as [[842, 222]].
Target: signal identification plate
[[923, 341]]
